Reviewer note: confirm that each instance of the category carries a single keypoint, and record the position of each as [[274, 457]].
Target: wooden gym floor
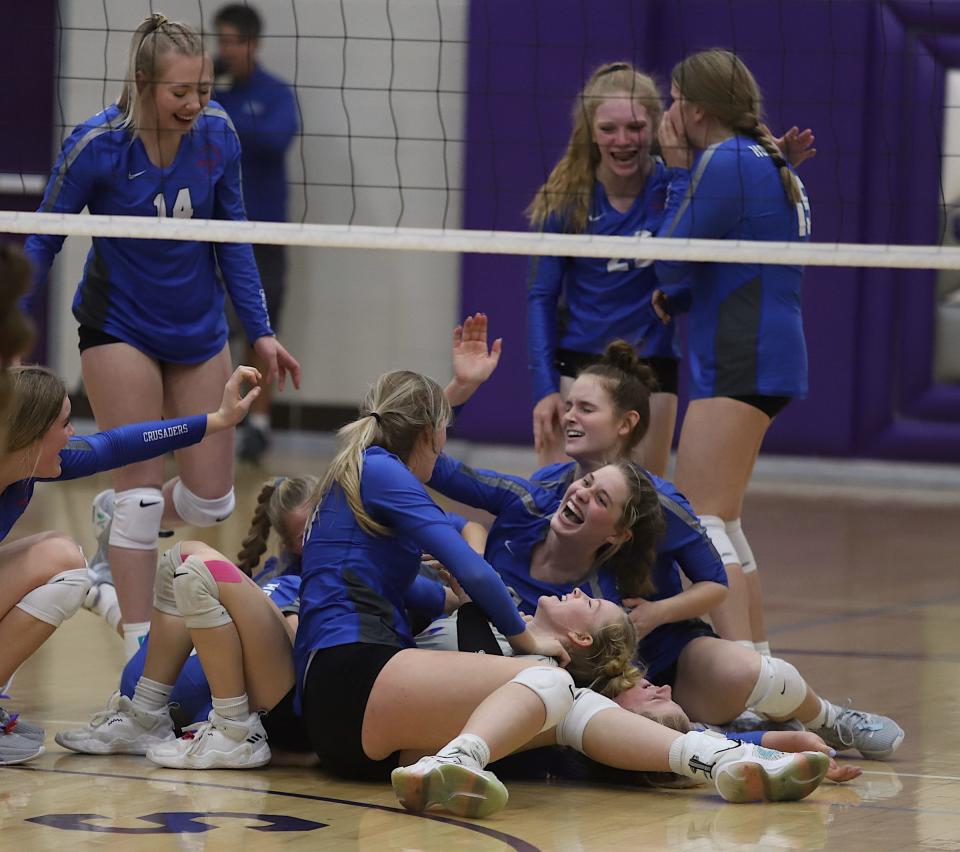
[[862, 595]]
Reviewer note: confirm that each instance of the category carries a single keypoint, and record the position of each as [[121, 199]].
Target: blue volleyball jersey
[[264, 112], [284, 592], [355, 584], [745, 327], [684, 547], [602, 298], [88, 454], [278, 566], [164, 297]]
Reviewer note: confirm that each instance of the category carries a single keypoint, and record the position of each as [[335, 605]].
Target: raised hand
[[235, 405], [473, 360]]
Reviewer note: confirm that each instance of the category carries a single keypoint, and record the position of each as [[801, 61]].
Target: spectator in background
[[264, 111]]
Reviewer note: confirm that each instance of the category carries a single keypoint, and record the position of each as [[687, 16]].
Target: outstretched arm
[[135, 442]]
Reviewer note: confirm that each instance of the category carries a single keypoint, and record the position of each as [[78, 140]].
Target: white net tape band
[[484, 242]]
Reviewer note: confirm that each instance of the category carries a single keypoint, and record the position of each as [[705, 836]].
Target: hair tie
[[159, 20], [376, 416], [616, 66], [778, 161], [279, 480]]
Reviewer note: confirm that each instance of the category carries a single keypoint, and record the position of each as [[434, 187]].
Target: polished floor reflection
[[862, 596]]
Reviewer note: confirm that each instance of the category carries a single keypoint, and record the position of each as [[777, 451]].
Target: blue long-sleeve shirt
[[355, 584], [745, 327], [602, 299], [164, 297], [684, 548], [89, 454], [264, 111]]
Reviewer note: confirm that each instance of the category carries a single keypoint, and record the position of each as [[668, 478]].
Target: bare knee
[[53, 553]]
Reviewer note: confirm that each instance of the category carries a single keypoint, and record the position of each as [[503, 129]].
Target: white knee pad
[[136, 518], [197, 595], [199, 511], [586, 705], [716, 530], [780, 689], [163, 596], [59, 598], [554, 687], [741, 546]]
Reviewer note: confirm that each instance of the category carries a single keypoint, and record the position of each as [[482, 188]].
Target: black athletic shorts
[[335, 695], [769, 405], [285, 729], [695, 628], [667, 370], [90, 337]]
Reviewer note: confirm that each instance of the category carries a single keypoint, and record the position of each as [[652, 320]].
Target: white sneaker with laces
[[460, 788], [120, 728], [876, 737], [217, 743], [752, 773]]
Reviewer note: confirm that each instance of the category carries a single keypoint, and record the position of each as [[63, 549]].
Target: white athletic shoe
[[217, 743], [749, 773], [120, 728], [102, 595], [461, 789]]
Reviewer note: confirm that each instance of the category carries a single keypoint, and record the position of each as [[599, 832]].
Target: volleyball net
[[425, 127]]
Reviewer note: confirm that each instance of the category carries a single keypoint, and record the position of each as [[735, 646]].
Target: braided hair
[[277, 497], [719, 83]]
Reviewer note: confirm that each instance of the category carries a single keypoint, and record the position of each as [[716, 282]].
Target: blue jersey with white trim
[[164, 297], [745, 331], [684, 547], [602, 299], [89, 454], [355, 584]]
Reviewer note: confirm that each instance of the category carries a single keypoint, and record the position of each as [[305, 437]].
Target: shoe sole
[[100, 747], [213, 760], [452, 787], [883, 755], [15, 760], [748, 781]]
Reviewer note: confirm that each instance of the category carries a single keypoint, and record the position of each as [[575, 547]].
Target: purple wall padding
[[872, 90]]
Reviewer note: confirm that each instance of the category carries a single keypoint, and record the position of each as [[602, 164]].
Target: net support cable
[[485, 242]]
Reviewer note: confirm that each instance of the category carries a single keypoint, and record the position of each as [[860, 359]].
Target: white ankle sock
[[762, 648], [261, 421], [826, 716], [134, 632], [236, 709], [693, 754], [106, 605], [469, 747], [151, 695]]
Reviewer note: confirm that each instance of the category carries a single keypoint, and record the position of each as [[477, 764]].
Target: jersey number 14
[[182, 207]]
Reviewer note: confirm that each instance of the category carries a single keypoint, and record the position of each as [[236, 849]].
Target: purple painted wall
[[865, 76], [27, 68]]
